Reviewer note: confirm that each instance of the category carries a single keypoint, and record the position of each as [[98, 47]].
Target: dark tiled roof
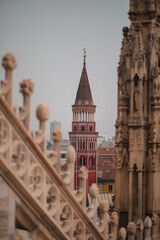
[[84, 95], [106, 151]]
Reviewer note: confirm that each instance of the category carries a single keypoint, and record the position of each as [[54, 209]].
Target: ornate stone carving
[[36, 180], [78, 230], [52, 199], [19, 158], [65, 217], [122, 234], [4, 135], [26, 88]]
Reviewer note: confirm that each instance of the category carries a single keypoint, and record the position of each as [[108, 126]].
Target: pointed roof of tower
[[84, 95]]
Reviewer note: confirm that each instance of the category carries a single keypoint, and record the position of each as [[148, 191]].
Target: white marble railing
[[37, 175]]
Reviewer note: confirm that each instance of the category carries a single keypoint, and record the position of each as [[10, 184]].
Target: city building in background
[[105, 142], [102, 138], [53, 126], [106, 174], [83, 135]]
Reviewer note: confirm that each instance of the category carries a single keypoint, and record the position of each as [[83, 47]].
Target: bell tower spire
[[84, 57], [83, 135]]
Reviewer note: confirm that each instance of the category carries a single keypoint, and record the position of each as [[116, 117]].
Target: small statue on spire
[[84, 57]]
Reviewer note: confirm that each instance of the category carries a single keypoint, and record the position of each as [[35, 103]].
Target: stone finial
[[140, 225], [42, 112], [113, 226], [57, 135], [9, 61], [80, 194], [125, 31], [114, 218], [147, 228], [131, 228], [147, 222], [54, 157], [26, 87], [83, 173], [104, 206], [104, 220], [155, 226], [155, 218], [93, 191], [70, 154], [140, 228], [68, 176], [122, 233], [6, 86]]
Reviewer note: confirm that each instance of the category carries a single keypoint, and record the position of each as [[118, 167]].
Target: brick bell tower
[[137, 162], [84, 136]]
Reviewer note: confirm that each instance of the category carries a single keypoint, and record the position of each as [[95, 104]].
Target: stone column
[[140, 194], [147, 228], [131, 99], [130, 194], [131, 5], [9, 64], [140, 229], [131, 228]]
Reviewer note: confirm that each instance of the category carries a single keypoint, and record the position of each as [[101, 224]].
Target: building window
[[82, 161], [91, 161], [75, 129], [99, 173], [90, 128], [63, 155], [100, 189], [110, 188], [90, 146], [82, 128], [136, 79]]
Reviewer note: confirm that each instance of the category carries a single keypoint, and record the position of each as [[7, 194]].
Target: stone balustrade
[[36, 177]]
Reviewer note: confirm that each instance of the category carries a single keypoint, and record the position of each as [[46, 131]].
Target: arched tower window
[[90, 129], [90, 161], [82, 128], [82, 161], [136, 79]]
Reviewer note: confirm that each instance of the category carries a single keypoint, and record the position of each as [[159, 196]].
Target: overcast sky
[[47, 38]]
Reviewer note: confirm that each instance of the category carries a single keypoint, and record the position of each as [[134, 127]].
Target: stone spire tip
[[84, 57]]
